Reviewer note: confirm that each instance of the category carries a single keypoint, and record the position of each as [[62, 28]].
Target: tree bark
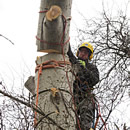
[[53, 79], [55, 101], [53, 27]]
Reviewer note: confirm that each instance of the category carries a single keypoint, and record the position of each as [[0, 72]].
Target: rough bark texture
[[59, 103], [52, 28], [54, 98]]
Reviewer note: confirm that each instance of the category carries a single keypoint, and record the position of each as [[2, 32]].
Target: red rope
[[43, 41], [73, 100], [67, 73], [62, 38], [46, 65], [39, 73], [43, 11], [62, 44], [99, 115]]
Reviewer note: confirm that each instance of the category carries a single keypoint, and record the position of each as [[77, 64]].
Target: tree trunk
[[58, 102], [53, 88], [53, 27]]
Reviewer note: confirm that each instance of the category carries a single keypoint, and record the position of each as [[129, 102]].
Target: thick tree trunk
[[53, 27], [53, 95], [58, 102]]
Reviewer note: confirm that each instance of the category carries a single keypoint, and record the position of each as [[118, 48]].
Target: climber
[[87, 76]]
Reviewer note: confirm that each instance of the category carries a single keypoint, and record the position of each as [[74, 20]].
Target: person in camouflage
[[87, 76]]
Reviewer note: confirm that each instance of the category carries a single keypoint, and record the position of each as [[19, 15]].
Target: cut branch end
[[53, 13]]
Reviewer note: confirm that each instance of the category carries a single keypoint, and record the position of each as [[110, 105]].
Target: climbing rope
[[55, 64], [62, 37], [99, 116], [39, 73], [46, 65], [65, 24]]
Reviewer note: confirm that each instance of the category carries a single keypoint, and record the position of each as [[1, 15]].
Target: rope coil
[[52, 64]]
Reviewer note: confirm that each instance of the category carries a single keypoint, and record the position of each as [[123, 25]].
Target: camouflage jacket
[[86, 77]]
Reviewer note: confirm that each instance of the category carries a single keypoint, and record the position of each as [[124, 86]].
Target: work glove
[[82, 63]]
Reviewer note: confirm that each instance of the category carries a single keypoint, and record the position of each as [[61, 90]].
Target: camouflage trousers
[[86, 112]]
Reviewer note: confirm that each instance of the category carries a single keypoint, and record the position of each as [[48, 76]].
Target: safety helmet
[[88, 46]]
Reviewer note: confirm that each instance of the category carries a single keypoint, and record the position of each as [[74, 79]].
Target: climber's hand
[[82, 63]]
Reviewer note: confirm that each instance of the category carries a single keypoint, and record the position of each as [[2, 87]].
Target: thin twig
[[7, 39], [33, 107]]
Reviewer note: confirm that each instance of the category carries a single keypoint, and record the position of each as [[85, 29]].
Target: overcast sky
[[19, 22]]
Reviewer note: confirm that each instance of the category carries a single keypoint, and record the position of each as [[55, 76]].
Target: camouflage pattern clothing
[[83, 96], [87, 77]]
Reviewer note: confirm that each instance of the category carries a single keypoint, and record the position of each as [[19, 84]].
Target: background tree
[[14, 111], [111, 39]]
